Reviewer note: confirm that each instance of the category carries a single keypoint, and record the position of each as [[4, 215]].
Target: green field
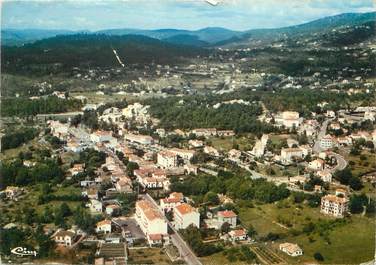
[[352, 242], [226, 143], [12, 210]]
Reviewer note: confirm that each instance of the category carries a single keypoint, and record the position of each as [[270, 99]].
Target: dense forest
[[196, 112], [28, 107], [91, 50], [17, 138]]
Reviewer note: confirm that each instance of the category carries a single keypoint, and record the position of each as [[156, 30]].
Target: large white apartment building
[[167, 159], [327, 142], [151, 222], [334, 205], [185, 154], [186, 215]]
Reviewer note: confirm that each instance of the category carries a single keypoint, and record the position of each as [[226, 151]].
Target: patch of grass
[[147, 255], [352, 242]]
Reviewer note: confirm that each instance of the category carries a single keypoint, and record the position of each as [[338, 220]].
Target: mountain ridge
[[206, 36]]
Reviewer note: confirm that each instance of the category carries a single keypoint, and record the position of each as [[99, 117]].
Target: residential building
[[65, 238], [206, 132], [95, 206], [112, 209], [104, 226], [225, 133], [139, 139], [238, 235], [291, 249], [151, 222], [317, 164], [288, 154], [184, 154], [77, 168], [195, 143], [173, 200], [325, 175], [334, 205], [167, 159], [12, 192], [186, 215], [227, 217], [211, 151], [101, 136], [327, 142]]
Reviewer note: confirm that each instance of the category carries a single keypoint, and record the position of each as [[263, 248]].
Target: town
[[231, 157]]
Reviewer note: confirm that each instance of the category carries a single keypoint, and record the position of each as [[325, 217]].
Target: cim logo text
[[21, 251]]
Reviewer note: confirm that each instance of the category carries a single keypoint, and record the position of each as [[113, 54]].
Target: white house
[[101, 136], [167, 159], [317, 164], [65, 238], [291, 249], [287, 154], [186, 215], [238, 235], [169, 203], [95, 206], [325, 175], [104, 227], [227, 217], [334, 205], [327, 142], [185, 154]]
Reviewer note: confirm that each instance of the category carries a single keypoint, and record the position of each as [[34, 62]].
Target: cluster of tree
[[16, 237], [16, 138], [193, 236], [360, 203], [127, 201], [26, 107], [89, 119], [91, 50], [92, 159], [54, 141], [196, 112], [346, 177], [303, 100], [312, 199], [243, 254], [15, 173], [323, 227], [238, 187], [131, 166]]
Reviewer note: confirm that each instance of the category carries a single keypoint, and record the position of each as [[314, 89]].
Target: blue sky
[[182, 14]]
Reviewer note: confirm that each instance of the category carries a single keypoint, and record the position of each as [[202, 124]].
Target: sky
[[180, 14]]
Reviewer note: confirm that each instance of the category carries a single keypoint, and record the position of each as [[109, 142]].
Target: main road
[[185, 251], [341, 162]]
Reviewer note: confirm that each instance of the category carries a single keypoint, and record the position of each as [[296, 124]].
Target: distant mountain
[[94, 50], [197, 37], [321, 26], [205, 35], [186, 39], [212, 36], [21, 36]]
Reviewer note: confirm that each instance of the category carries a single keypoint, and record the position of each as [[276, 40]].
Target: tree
[[251, 232], [225, 228], [355, 183], [46, 245], [65, 210], [357, 203], [211, 198], [343, 176], [318, 256]]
